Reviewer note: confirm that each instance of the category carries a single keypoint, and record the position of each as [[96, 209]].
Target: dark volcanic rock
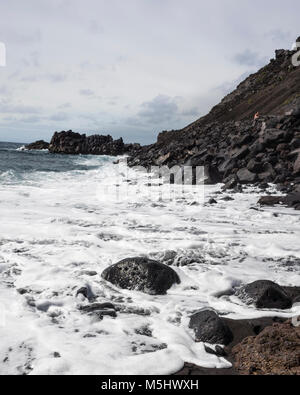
[[75, 143], [100, 309], [210, 328], [212, 175], [293, 200], [246, 177], [241, 329], [271, 200], [142, 274], [275, 351], [265, 295], [38, 145]]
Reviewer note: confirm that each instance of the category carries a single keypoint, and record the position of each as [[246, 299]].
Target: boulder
[[273, 137], [270, 200], [265, 294], [210, 328], [212, 175], [254, 166], [268, 174], [230, 184], [142, 274], [246, 177], [297, 165], [293, 200], [240, 153]]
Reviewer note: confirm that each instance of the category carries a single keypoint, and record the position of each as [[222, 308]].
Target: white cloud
[[105, 58]]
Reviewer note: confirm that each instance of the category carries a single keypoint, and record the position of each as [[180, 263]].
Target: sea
[[62, 223]]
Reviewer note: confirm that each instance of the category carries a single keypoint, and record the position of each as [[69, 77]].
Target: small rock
[[100, 309], [86, 292], [212, 201]]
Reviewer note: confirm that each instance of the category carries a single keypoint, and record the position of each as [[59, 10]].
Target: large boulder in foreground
[[275, 351], [210, 328], [265, 294], [142, 274]]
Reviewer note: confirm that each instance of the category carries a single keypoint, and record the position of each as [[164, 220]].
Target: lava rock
[[38, 145], [265, 294], [210, 328], [270, 200], [75, 144], [212, 175], [142, 274], [246, 177], [255, 166], [100, 309], [275, 351], [230, 184], [293, 200]]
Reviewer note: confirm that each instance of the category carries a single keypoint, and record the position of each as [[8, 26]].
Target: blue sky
[[129, 68]]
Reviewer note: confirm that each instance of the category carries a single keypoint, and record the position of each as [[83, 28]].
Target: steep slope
[[272, 90], [232, 148]]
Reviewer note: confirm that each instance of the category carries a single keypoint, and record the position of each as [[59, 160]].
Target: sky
[[130, 68]]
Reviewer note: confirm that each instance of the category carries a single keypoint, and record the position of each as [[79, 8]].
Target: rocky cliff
[[229, 144]]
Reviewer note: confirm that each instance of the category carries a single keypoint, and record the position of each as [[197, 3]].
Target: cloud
[[31, 119], [95, 28], [59, 117], [278, 35], [7, 108], [87, 92], [191, 112], [16, 36], [87, 53], [159, 110], [249, 58], [64, 105], [56, 77]]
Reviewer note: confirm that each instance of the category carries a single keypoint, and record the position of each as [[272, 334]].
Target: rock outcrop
[[75, 143], [142, 274], [261, 346], [37, 145], [275, 351]]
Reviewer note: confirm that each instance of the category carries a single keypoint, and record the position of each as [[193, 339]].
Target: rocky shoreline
[[236, 152], [264, 346]]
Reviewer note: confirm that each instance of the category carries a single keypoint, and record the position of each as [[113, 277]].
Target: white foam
[[54, 228]]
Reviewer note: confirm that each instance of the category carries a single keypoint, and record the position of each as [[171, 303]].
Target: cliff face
[[227, 142]]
